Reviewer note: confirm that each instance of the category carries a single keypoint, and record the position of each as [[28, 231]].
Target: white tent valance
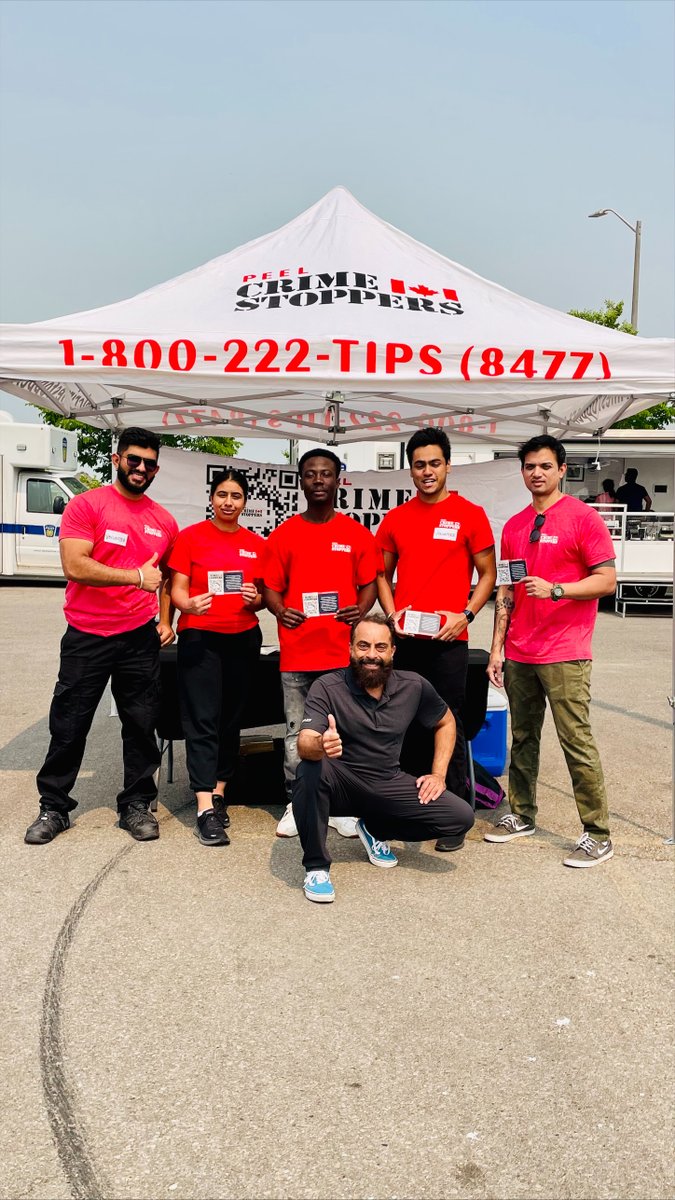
[[338, 328]]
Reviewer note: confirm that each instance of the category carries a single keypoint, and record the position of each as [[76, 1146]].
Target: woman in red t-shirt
[[217, 568]]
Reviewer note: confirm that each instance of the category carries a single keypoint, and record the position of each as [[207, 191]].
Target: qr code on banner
[[273, 495]]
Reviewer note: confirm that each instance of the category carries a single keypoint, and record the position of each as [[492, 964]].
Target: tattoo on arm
[[504, 605]]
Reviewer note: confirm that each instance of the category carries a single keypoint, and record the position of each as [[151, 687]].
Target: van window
[[76, 486], [45, 496]]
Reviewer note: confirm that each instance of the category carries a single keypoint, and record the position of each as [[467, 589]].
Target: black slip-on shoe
[[210, 830], [46, 826], [446, 844], [137, 819], [220, 809]]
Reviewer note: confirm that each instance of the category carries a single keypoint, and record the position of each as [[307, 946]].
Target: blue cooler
[[489, 745]]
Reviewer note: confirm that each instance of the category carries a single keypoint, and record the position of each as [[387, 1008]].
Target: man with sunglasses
[[114, 542], [561, 553]]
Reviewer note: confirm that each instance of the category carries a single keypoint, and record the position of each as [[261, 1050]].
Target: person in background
[[608, 494], [633, 494], [114, 544], [216, 586], [544, 626], [320, 572], [434, 543]]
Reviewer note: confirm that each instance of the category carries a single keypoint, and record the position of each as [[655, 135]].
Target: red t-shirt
[[435, 545], [573, 539], [202, 548], [339, 556], [125, 533]]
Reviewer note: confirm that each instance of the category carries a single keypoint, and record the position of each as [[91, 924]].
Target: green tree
[[660, 416], [94, 446]]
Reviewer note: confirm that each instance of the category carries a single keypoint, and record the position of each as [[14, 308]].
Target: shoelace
[[585, 843], [315, 877], [381, 847], [509, 821]]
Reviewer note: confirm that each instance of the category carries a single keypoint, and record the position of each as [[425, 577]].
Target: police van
[[37, 479]]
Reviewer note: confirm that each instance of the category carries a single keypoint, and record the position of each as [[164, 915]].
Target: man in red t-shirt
[[320, 572], [114, 543], [560, 558], [433, 543]]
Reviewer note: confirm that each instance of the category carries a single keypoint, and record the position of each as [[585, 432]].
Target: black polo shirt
[[372, 730]]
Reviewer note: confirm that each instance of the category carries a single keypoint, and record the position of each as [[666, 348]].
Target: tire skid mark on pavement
[[60, 1098], [82, 1175]]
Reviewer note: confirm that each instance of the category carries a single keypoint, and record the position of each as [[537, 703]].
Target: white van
[[37, 479]]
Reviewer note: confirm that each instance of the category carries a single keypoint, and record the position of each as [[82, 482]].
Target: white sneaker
[[287, 826], [346, 826]]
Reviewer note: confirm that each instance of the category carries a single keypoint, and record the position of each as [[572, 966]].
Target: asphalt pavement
[[178, 1021]]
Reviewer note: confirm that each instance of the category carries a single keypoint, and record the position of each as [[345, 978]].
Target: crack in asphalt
[[80, 1170], [85, 1180]]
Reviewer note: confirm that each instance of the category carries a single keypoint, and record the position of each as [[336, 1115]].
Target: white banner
[[183, 484]]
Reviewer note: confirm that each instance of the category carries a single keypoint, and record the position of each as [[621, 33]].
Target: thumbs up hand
[[331, 740]]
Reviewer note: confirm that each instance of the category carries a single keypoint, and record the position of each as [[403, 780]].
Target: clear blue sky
[[139, 139]]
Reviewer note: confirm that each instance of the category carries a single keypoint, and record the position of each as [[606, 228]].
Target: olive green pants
[[567, 687]]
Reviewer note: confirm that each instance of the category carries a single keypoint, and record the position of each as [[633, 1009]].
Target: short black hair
[[321, 452], [229, 473], [543, 442], [374, 618], [135, 436], [631, 474], [428, 437]]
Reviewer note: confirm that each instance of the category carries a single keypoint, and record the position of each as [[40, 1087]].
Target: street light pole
[[637, 230]]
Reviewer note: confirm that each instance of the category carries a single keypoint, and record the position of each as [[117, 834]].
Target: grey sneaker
[[588, 852], [510, 827]]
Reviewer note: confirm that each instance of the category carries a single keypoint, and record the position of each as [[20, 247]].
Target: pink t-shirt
[[574, 539], [125, 533]]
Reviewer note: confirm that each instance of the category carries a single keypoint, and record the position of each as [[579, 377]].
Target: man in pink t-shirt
[[114, 544], [558, 558]]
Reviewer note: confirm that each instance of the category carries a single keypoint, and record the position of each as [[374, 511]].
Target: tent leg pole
[[670, 841]]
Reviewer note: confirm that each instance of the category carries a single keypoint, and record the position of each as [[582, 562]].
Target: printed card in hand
[[510, 571], [421, 624], [320, 604]]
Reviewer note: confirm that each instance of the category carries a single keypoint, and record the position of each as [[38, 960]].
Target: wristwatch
[[557, 591], [470, 616]]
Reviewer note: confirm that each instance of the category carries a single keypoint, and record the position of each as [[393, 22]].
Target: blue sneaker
[[318, 887], [379, 853]]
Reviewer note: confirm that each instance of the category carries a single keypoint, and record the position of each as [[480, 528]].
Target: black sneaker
[[220, 809], [137, 819], [46, 826], [210, 830], [446, 844]]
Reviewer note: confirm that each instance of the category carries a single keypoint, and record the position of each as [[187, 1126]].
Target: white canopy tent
[[336, 327]]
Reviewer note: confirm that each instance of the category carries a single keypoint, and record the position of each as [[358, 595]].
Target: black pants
[[390, 808], [445, 665], [215, 672], [131, 662]]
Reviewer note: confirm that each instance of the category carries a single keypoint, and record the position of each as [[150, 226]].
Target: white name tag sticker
[[320, 604], [511, 571], [421, 624], [443, 533], [115, 538]]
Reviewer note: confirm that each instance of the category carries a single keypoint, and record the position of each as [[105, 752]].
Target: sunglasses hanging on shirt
[[536, 528]]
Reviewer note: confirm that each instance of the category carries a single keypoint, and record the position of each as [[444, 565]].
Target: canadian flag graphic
[[399, 287]]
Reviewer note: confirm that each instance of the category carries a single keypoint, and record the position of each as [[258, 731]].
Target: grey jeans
[[296, 685]]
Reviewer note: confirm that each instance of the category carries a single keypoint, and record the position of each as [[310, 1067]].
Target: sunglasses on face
[[134, 461], [536, 528]]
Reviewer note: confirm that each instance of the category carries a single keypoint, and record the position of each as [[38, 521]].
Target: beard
[[136, 489], [371, 676]]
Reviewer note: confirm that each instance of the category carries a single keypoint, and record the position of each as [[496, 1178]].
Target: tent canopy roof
[[336, 327]]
